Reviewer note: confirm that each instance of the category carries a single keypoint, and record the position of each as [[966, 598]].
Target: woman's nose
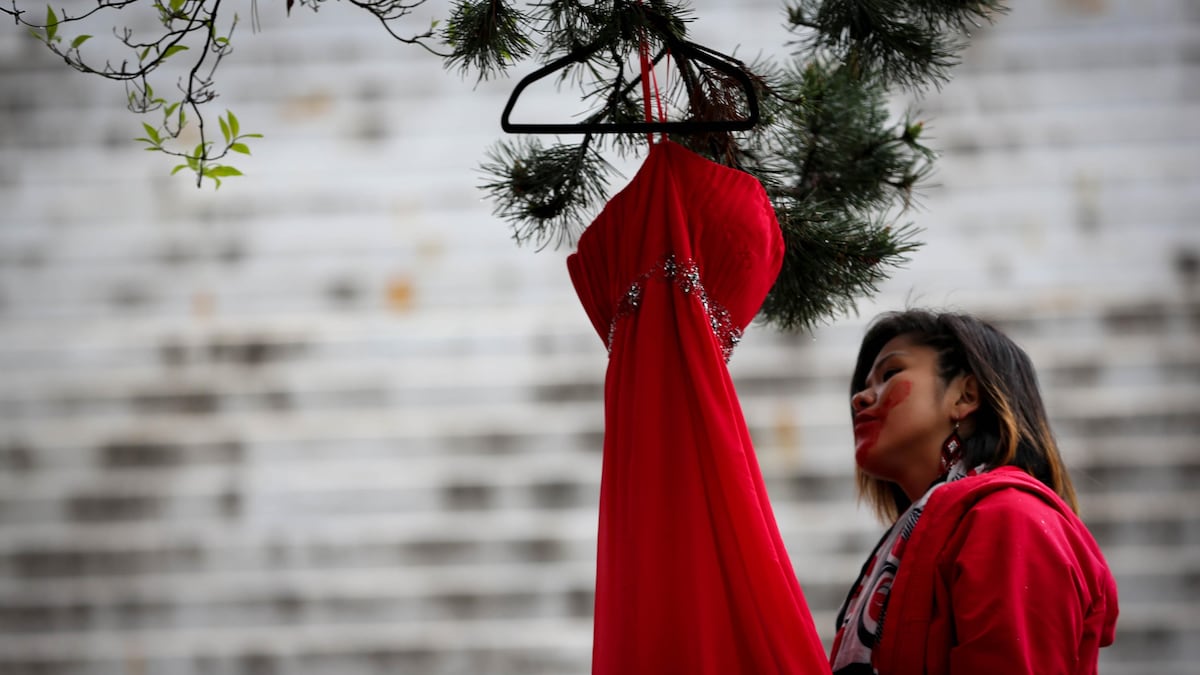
[[861, 400]]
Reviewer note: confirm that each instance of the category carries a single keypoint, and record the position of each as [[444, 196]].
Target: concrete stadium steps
[[503, 647]]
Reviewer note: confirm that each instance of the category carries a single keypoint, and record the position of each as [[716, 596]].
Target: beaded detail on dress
[[686, 275]]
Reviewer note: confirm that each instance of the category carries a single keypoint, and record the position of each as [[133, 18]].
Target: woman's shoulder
[[1003, 500], [1013, 508], [1004, 490], [1019, 500]]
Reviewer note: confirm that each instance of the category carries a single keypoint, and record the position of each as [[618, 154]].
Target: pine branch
[[906, 43], [832, 260], [487, 36], [837, 172], [546, 193]]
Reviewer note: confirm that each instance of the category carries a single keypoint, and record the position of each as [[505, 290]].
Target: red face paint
[[866, 432]]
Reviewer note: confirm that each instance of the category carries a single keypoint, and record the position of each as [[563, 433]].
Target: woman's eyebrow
[[882, 360]]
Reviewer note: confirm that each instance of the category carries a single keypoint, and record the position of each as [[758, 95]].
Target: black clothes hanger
[[690, 50]]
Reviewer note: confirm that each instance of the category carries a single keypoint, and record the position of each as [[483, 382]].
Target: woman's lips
[[869, 423], [866, 433], [865, 421], [863, 418]]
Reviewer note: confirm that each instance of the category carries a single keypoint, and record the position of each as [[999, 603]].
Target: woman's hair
[[1010, 426]]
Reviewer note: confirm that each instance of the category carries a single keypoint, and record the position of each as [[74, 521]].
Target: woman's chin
[[872, 464]]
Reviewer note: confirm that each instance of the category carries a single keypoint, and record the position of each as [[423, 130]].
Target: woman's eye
[[887, 374]]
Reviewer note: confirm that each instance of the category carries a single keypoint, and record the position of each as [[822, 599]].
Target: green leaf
[[224, 129], [152, 133], [51, 23], [216, 173], [176, 5], [144, 54], [178, 168], [233, 122], [174, 49], [170, 109], [193, 163], [251, 136], [79, 40], [240, 147], [222, 171], [37, 34]]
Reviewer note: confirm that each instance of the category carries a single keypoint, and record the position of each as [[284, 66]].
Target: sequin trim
[[686, 275]]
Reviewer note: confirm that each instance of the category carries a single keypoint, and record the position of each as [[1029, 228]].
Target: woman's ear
[[966, 395]]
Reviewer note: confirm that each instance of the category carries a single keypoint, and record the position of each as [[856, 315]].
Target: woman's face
[[903, 414]]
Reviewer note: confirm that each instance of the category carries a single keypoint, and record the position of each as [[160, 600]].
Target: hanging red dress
[[692, 576]]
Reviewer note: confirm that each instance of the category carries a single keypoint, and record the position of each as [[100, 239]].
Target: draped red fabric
[[692, 576]]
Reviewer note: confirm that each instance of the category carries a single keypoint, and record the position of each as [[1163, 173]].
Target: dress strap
[[650, 81]]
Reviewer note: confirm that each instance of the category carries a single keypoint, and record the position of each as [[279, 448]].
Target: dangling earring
[[951, 449]]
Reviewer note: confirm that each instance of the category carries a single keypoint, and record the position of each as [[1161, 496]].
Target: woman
[[986, 567]]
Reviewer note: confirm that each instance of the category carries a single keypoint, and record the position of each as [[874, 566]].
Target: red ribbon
[[649, 79]]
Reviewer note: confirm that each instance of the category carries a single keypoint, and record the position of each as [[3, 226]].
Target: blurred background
[[330, 419]]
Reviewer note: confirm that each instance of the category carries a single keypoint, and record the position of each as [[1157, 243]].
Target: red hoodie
[[999, 577]]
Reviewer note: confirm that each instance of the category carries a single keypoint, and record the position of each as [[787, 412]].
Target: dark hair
[[1010, 425]]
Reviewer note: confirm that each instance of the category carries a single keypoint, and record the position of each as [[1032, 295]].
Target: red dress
[[692, 576]]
